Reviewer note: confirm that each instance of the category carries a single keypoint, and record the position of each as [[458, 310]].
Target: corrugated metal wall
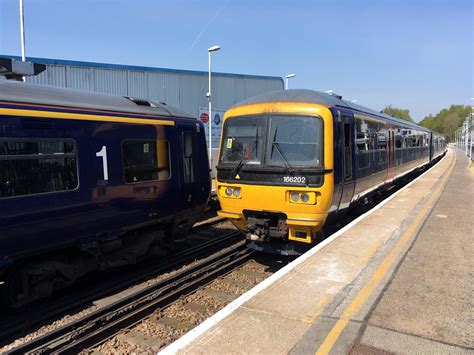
[[185, 90]]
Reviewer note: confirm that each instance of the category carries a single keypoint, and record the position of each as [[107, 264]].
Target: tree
[[447, 121], [404, 114]]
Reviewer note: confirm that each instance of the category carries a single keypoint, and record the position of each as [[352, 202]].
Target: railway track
[[72, 301], [150, 326], [106, 322]]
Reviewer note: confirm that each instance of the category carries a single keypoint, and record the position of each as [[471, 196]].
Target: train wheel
[[12, 288]]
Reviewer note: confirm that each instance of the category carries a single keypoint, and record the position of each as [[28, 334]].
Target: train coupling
[[262, 229]]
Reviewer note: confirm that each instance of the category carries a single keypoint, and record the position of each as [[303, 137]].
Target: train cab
[[275, 171]]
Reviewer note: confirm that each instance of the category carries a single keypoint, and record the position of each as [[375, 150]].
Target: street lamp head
[[289, 76], [354, 101], [214, 49]]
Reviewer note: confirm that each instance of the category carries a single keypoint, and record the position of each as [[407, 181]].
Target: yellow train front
[[291, 160], [275, 172]]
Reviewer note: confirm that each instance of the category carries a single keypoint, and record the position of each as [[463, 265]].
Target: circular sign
[[217, 119], [204, 117]]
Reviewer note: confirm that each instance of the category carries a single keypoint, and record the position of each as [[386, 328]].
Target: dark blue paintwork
[[98, 209]]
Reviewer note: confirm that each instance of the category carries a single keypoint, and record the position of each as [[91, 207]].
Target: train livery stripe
[[83, 117], [67, 109]]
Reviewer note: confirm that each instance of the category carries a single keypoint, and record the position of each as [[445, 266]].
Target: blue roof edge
[[137, 68]]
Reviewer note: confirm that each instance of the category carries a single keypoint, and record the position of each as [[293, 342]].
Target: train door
[[348, 177], [431, 146], [189, 175], [391, 153]]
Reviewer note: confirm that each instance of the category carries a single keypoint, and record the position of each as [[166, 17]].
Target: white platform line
[[193, 334]]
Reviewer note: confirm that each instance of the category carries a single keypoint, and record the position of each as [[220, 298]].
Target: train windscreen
[[277, 140]]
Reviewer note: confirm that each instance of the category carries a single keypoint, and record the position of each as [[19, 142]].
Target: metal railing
[[464, 136]]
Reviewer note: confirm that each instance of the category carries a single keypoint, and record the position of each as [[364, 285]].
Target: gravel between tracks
[[158, 335], [68, 318]]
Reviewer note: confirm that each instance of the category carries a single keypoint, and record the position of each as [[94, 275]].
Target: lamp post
[[22, 33], [289, 76], [209, 51]]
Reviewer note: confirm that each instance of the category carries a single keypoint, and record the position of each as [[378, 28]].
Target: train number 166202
[[295, 179]]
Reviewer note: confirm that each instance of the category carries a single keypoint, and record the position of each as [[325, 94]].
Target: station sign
[[216, 121], [204, 117]]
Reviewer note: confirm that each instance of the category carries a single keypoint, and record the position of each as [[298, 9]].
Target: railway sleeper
[[141, 340]]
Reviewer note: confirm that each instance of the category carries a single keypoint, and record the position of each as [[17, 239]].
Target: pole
[[22, 33], [467, 135], [286, 83], [210, 114]]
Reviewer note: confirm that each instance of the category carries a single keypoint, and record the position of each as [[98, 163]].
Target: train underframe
[[269, 232], [35, 277]]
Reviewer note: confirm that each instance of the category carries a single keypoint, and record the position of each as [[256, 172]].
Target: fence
[[464, 136]]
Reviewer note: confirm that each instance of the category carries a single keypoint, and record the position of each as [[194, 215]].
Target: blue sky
[[411, 54]]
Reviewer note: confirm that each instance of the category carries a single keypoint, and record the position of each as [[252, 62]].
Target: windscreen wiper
[[239, 165], [242, 161], [289, 169]]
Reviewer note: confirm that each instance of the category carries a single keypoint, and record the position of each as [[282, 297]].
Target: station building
[[183, 89]]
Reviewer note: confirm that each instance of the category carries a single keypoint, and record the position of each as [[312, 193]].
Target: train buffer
[[398, 279]]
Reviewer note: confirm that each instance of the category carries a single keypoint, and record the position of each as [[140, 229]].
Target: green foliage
[[398, 112], [447, 121]]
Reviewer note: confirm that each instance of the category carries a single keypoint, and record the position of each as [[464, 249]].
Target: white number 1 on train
[[103, 154]]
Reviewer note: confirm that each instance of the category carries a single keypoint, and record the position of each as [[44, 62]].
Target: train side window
[[398, 141], [347, 152], [145, 160], [188, 157], [36, 166], [363, 143]]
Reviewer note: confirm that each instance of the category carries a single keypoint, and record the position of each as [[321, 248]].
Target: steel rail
[[141, 302], [103, 334], [11, 331]]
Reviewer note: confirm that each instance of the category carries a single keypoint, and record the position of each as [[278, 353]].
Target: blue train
[[89, 182]]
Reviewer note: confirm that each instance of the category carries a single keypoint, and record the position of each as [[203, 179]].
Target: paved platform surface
[[397, 280]]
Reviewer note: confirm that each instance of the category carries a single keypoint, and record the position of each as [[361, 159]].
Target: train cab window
[[35, 166], [188, 157], [295, 141], [243, 140], [145, 160]]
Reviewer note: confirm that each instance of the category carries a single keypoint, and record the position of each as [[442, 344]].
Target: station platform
[[398, 279]]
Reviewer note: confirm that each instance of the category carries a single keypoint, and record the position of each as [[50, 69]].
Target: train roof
[[320, 98], [21, 92]]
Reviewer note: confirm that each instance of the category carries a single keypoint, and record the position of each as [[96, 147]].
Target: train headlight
[[230, 192], [304, 197], [295, 196]]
